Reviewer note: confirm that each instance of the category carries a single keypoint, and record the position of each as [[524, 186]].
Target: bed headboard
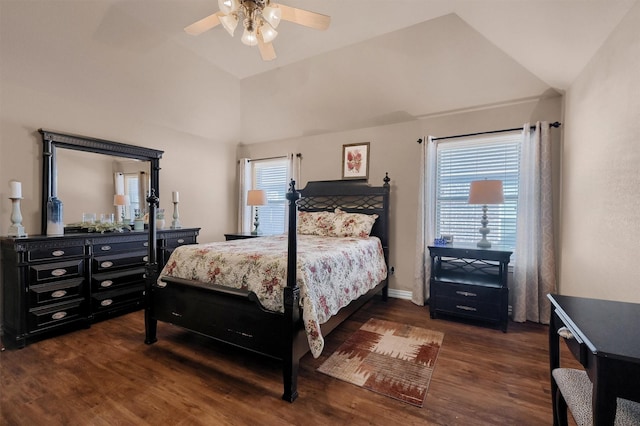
[[354, 196]]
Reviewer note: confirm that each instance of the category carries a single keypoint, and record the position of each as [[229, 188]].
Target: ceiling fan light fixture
[[228, 6], [229, 22], [249, 37], [272, 15], [267, 32]]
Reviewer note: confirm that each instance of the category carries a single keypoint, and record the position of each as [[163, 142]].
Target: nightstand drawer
[[470, 307], [466, 292]]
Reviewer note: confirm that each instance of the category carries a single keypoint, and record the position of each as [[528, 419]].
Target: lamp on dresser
[[121, 201], [485, 192], [255, 198]]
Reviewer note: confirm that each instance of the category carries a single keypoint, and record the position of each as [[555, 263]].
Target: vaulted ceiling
[[380, 61]]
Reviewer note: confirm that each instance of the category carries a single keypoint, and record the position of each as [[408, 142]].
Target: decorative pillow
[[352, 224], [315, 223]]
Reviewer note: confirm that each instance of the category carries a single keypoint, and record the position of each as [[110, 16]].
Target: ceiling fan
[[260, 19]]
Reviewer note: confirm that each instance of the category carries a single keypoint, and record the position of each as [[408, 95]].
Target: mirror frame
[[51, 141]]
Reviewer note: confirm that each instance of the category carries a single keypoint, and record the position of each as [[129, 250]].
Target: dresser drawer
[[51, 315], [111, 262], [113, 280], [61, 252], [113, 300], [172, 243], [56, 271], [114, 247], [469, 307], [58, 291]]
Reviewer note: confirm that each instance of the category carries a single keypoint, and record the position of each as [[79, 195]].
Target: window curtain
[[293, 169], [425, 221], [119, 185], [244, 185], [143, 192], [534, 271]]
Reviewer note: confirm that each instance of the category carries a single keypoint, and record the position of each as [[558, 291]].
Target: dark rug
[[393, 359]]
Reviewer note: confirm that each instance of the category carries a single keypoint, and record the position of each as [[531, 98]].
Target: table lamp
[[485, 192], [120, 201], [255, 198]]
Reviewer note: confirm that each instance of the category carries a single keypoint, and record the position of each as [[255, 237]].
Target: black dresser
[[54, 284], [470, 282]]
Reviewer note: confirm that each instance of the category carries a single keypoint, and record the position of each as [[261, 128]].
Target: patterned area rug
[[389, 358]]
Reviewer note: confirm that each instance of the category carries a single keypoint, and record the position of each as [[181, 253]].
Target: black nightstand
[[470, 282], [241, 236]]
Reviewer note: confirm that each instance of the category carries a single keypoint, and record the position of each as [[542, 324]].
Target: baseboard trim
[[400, 294]]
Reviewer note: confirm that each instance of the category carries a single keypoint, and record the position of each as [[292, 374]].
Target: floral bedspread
[[332, 271]]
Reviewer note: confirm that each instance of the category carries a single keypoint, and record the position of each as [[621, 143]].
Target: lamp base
[[484, 230]]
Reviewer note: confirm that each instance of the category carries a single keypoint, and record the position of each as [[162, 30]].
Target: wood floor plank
[[106, 375]]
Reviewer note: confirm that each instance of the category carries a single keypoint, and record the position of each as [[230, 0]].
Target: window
[[271, 176], [458, 162]]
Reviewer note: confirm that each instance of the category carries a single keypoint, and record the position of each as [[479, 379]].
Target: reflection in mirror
[[88, 182]]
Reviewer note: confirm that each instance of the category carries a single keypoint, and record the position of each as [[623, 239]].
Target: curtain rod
[[273, 158], [555, 124]]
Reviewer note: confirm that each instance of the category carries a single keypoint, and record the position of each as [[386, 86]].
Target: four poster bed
[[209, 289]]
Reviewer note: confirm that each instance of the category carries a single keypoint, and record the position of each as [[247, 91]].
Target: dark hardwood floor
[[106, 375]]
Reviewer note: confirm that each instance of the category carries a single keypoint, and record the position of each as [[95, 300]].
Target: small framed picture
[[355, 161]]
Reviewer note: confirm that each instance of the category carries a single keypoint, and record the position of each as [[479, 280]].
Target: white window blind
[[459, 162], [271, 176]]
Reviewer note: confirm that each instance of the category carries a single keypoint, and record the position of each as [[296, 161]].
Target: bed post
[[290, 359], [151, 271], [386, 206]]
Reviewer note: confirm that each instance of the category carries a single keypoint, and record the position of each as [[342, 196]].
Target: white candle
[[176, 196], [16, 189]]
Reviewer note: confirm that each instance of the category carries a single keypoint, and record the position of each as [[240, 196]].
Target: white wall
[[601, 172], [394, 150]]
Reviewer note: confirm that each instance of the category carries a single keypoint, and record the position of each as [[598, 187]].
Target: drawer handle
[[106, 283], [59, 293], [466, 308], [145, 258], [466, 293], [105, 248], [181, 240], [59, 315], [106, 264], [565, 333], [57, 253], [146, 244], [106, 302], [58, 272]]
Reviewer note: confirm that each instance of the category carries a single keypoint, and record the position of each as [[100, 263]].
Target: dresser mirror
[[85, 173]]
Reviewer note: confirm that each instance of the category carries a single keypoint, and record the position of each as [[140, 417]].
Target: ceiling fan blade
[[304, 17], [204, 24], [267, 51]]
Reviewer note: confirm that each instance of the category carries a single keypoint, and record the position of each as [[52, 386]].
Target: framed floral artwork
[[355, 161]]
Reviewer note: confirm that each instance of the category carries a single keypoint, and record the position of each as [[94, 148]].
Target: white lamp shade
[[229, 22], [256, 197], [267, 32], [249, 37], [486, 192], [228, 6], [272, 15]]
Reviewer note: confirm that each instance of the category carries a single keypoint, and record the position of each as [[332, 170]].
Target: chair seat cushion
[[576, 388]]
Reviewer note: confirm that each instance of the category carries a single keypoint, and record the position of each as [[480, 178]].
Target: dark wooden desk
[[605, 338]]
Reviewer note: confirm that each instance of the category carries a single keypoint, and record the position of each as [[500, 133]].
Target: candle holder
[[16, 229], [175, 223]]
